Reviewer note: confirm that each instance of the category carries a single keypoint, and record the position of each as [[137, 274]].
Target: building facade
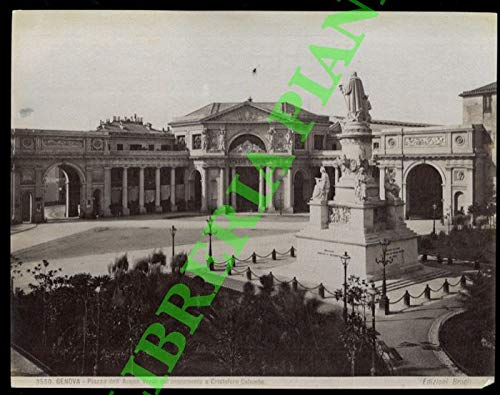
[[126, 167]]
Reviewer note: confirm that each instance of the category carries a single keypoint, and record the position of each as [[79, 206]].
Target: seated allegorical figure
[[322, 187], [391, 188]]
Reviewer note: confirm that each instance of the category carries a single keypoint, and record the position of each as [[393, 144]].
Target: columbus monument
[[357, 220]]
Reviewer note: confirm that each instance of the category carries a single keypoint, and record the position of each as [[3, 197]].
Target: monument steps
[[406, 282]]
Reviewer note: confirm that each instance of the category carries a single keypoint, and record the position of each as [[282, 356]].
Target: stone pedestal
[[357, 220], [318, 217]]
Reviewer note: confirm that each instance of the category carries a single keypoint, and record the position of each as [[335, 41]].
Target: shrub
[[119, 266], [425, 244], [142, 264], [159, 257], [481, 221], [178, 262]]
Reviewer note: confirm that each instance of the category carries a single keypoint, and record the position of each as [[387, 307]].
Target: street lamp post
[[345, 261], [210, 222], [434, 207], [384, 261], [373, 292], [98, 351], [173, 230]]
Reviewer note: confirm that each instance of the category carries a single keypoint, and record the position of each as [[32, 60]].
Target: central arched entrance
[[250, 177], [63, 192], [423, 190]]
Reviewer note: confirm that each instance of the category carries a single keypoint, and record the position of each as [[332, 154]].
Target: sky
[[73, 68]]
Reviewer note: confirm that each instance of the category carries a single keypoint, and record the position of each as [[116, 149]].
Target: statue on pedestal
[[222, 139], [289, 140], [271, 133], [360, 185], [204, 139], [358, 105], [322, 187], [391, 188]]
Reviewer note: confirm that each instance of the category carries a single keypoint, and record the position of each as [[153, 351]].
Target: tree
[[354, 337]]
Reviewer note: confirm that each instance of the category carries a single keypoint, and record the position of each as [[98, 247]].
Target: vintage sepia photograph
[[253, 199]]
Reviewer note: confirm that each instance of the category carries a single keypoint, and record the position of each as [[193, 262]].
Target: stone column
[[89, 202], [173, 207], [262, 193], [337, 171], [288, 190], [186, 187], [227, 198], [204, 189], [38, 214], [125, 209], [158, 208], [12, 193], [107, 191], [382, 183], [142, 209], [269, 192], [233, 194], [222, 176], [447, 192]]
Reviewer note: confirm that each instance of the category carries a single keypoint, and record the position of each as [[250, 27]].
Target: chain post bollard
[[292, 252], [254, 257], [407, 299], [427, 292], [477, 265], [295, 284], [273, 254], [446, 286], [230, 263], [249, 274], [321, 291], [450, 261], [210, 263], [272, 277], [463, 281]]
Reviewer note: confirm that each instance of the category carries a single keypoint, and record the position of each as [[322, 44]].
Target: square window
[[119, 147], [298, 142], [318, 142], [151, 147], [487, 103]]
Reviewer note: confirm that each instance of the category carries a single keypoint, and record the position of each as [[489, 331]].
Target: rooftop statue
[[357, 102]]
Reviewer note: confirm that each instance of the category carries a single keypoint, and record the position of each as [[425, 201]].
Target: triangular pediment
[[241, 113]]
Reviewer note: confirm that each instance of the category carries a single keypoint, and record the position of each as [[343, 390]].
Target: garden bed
[[64, 321], [460, 337]]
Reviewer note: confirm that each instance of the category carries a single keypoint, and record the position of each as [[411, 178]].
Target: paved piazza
[[89, 246]]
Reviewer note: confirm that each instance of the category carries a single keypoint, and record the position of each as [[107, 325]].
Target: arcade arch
[[424, 188]]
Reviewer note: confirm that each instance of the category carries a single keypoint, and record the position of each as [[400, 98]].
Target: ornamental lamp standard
[[372, 291], [98, 351], [434, 207], [210, 222], [345, 261], [173, 230], [384, 261]]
